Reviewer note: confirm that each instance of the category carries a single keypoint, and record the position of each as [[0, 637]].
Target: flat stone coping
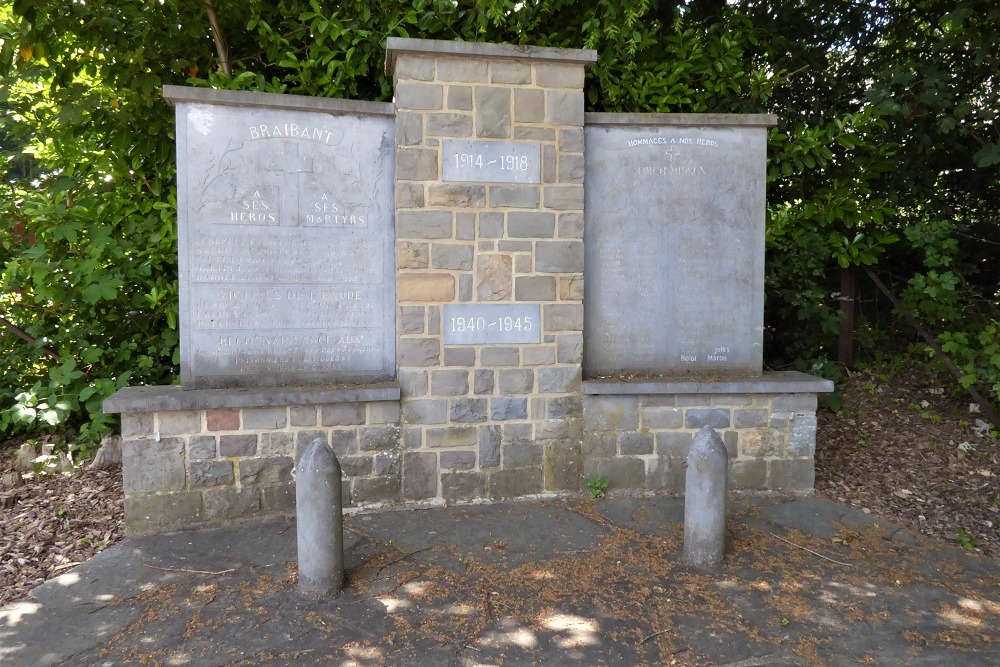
[[779, 382], [440, 47], [683, 119], [243, 98], [172, 397]]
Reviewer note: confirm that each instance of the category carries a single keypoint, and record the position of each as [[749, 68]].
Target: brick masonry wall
[[489, 420], [640, 442], [185, 467]]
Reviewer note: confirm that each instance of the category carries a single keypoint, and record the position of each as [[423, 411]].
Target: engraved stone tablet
[[285, 240], [674, 222], [483, 324], [491, 161]]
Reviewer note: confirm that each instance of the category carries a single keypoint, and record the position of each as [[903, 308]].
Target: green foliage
[[597, 486]]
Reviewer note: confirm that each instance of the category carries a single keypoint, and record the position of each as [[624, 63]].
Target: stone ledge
[[686, 119], [780, 382], [432, 47], [192, 95], [172, 397]]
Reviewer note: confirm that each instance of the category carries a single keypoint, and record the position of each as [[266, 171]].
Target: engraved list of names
[[285, 242]]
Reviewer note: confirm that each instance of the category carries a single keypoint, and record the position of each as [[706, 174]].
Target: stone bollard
[[705, 500], [319, 516]]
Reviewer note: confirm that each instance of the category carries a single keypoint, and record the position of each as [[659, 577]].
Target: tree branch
[[220, 41], [23, 335]]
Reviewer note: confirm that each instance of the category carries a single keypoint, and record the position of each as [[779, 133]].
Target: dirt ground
[[901, 448]]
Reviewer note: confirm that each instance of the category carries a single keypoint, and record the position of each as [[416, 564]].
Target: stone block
[[513, 431], [383, 489], [571, 288], [657, 418], [568, 428], [494, 277], [259, 419], [344, 414], [413, 437], [356, 466], [673, 443], [632, 444], [692, 400], [490, 225], [571, 169], [751, 418], [460, 99], [379, 438], [411, 320], [760, 443], [244, 444], [534, 288], [224, 503], [530, 224], [433, 320], [571, 140], [791, 474], [416, 164], [539, 355], [714, 417], [558, 75], [210, 473], [148, 513], [180, 422], [563, 466], [529, 105], [513, 196], [564, 406], [414, 67], [424, 224], [570, 226], [564, 107], [493, 117], [515, 483], [600, 445], [278, 497], [621, 473], [302, 415], [201, 447], [468, 410], [515, 246], [420, 96], [344, 441], [152, 467], [522, 454], [731, 440], [427, 287], [275, 443], [497, 355], [666, 473], [461, 69], [448, 124], [265, 471], [560, 380], [732, 400], [453, 437], [802, 436], [559, 256], [489, 446], [611, 413], [462, 486], [563, 317], [459, 356], [413, 255], [516, 381], [482, 381], [137, 424], [458, 460], [303, 438], [387, 463], [450, 382], [456, 196], [409, 129], [791, 403], [465, 287], [418, 351], [420, 475], [748, 474], [563, 197], [534, 133], [508, 408], [413, 383], [452, 256], [549, 164], [569, 348], [502, 71], [222, 420], [465, 226]]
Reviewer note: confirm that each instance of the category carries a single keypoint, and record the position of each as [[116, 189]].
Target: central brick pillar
[[494, 420]]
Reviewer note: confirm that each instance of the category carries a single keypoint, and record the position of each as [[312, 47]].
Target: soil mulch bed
[[893, 450]]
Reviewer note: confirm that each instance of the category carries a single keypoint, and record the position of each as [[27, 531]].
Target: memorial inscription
[[485, 324], [491, 161], [674, 219], [286, 235]]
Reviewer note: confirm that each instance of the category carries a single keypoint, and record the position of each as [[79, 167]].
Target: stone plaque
[[285, 212], [491, 161], [485, 324], [674, 259]]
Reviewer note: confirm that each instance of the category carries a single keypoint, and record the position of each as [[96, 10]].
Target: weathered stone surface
[[791, 474], [387, 463], [499, 356], [379, 438], [468, 410], [802, 436], [264, 471], [344, 414], [278, 497], [748, 474], [344, 441], [491, 225], [453, 437], [414, 67], [419, 352], [509, 72], [152, 467], [569, 348], [413, 255], [409, 129], [385, 489], [147, 513], [450, 382], [529, 105], [666, 473], [462, 485], [137, 424], [571, 226], [302, 415], [456, 460], [635, 443], [244, 444], [559, 380], [521, 454], [563, 317], [600, 444], [760, 443], [420, 96], [432, 287], [563, 197], [210, 473], [413, 383], [563, 466], [564, 107], [424, 224], [559, 256], [222, 420], [466, 70], [673, 444], [794, 403], [571, 140], [226, 503], [419, 475], [542, 355], [662, 418], [459, 356], [494, 277], [535, 288], [258, 419], [460, 98], [516, 381], [425, 411], [715, 417], [571, 169], [493, 117], [383, 412], [530, 224], [513, 196], [483, 381], [751, 418], [564, 406], [457, 196], [201, 447], [558, 75], [515, 483], [549, 161], [449, 124], [611, 413], [571, 288], [621, 473], [356, 466], [183, 422], [489, 446]]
